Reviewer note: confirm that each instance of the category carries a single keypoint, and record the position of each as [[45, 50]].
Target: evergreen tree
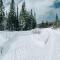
[[42, 24], [56, 19], [23, 17], [31, 21], [27, 20], [1, 15], [17, 22], [12, 23], [46, 24], [56, 22]]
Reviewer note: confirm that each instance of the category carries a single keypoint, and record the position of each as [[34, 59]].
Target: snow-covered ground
[[37, 44]]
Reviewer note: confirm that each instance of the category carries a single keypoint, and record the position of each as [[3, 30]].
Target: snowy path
[[29, 46]]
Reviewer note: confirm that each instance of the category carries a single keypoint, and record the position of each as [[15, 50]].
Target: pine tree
[[17, 12], [42, 24], [23, 17], [56, 22], [27, 20], [1, 15], [34, 20], [17, 22], [56, 19], [31, 21], [12, 23]]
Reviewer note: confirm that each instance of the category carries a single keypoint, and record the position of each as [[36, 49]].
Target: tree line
[[54, 24], [24, 21], [15, 22]]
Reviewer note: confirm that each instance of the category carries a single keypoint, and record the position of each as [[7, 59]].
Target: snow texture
[[37, 44]]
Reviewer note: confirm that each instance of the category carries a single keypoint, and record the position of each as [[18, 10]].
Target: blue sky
[[45, 9]]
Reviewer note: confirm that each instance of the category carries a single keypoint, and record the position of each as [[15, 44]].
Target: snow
[[37, 44]]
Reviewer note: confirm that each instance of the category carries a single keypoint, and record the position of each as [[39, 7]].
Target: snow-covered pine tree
[[23, 17], [1, 15], [29, 24], [33, 20], [27, 20], [12, 22], [17, 21]]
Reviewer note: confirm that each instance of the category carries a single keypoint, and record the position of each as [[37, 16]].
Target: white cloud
[[39, 4]]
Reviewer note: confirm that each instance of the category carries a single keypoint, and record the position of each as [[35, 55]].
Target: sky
[[45, 9]]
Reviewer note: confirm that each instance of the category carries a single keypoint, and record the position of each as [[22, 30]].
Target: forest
[[24, 21]]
